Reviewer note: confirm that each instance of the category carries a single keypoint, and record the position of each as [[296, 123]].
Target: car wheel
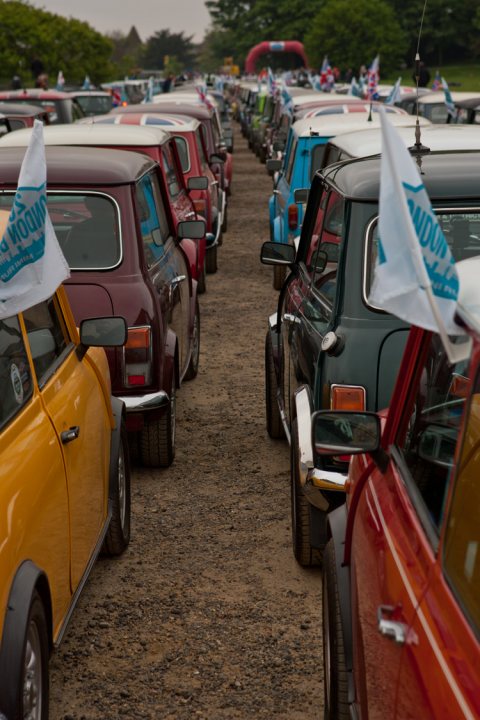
[[279, 275], [225, 220], [157, 439], [211, 260], [118, 534], [192, 369], [274, 420], [305, 554], [24, 692], [335, 674], [202, 281]]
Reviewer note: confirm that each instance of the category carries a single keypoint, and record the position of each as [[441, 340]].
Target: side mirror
[[103, 332], [273, 165], [193, 229], [197, 183], [274, 253], [437, 445], [301, 195], [278, 146], [345, 433]]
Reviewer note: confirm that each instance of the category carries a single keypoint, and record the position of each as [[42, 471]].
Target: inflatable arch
[[293, 46]]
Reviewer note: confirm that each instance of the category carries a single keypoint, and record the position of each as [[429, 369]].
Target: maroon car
[[119, 239], [61, 106]]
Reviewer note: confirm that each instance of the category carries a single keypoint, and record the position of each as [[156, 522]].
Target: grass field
[[458, 77]]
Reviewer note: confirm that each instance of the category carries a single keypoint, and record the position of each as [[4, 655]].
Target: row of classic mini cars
[[131, 222], [396, 528]]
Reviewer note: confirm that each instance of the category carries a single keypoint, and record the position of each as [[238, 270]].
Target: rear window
[[461, 230], [95, 104], [87, 227]]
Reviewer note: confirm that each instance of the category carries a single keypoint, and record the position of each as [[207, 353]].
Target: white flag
[[415, 276], [32, 264]]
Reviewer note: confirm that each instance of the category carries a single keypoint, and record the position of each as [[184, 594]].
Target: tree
[[163, 45], [352, 34]]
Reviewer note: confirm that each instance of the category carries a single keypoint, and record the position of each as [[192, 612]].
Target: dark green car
[[327, 346]]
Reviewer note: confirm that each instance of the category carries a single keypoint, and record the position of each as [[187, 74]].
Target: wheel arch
[[28, 579]]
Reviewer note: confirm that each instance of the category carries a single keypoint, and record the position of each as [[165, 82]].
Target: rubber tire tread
[[211, 260], [275, 427], [305, 554], [156, 447], [339, 679], [117, 538], [192, 369], [279, 275], [37, 611]]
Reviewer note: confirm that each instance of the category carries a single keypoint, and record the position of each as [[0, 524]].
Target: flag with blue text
[[415, 276], [32, 264]]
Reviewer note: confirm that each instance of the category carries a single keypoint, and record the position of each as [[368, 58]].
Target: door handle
[[292, 318], [71, 434], [392, 629]]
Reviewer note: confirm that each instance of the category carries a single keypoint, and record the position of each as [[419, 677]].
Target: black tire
[[202, 280], [118, 533], [25, 694], [225, 220], [279, 275], [192, 369], [334, 669], [305, 554], [274, 420], [157, 438], [211, 260]]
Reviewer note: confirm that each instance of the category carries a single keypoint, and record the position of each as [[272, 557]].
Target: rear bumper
[[145, 403]]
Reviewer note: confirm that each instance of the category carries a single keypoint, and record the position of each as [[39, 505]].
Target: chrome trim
[[367, 243], [149, 401], [272, 321], [326, 480], [304, 410]]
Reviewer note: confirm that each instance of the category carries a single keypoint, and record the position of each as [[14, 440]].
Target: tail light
[[293, 216], [199, 206], [347, 397], [137, 355]]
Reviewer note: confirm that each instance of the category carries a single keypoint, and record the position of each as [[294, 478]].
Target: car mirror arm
[[381, 459]]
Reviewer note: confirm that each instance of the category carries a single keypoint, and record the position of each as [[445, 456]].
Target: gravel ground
[[207, 615]]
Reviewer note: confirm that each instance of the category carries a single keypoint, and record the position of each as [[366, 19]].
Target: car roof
[[177, 123], [90, 134], [351, 108], [362, 143], [201, 112], [89, 93], [79, 166], [21, 109], [330, 125], [36, 93], [320, 98], [438, 96], [448, 176]]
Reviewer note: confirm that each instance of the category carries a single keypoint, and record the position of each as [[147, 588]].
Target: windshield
[[95, 104]]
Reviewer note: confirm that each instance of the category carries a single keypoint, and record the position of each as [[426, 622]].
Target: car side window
[[15, 375], [461, 558], [327, 232], [47, 336], [182, 150], [173, 183], [290, 160], [201, 151], [427, 443], [153, 219]]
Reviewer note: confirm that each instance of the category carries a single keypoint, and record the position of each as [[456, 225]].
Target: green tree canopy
[[163, 45], [59, 43], [352, 34]]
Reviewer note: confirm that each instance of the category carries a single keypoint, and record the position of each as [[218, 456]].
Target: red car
[[61, 106], [154, 142], [119, 238], [401, 580], [193, 155]]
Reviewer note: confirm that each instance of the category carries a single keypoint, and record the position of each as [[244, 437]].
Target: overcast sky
[[188, 16]]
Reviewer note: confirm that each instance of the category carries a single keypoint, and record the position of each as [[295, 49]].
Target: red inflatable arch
[[292, 46]]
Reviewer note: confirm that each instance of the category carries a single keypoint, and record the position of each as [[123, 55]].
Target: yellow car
[[64, 485]]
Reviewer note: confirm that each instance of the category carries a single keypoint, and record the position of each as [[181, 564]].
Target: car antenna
[[418, 149]]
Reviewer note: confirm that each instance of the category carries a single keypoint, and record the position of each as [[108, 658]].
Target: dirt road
[[207, 615]]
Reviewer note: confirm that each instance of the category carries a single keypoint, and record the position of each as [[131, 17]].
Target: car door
[[166, 264], [281, 193], [69, 390], [180, 202], [439, 673], [396, 540]]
